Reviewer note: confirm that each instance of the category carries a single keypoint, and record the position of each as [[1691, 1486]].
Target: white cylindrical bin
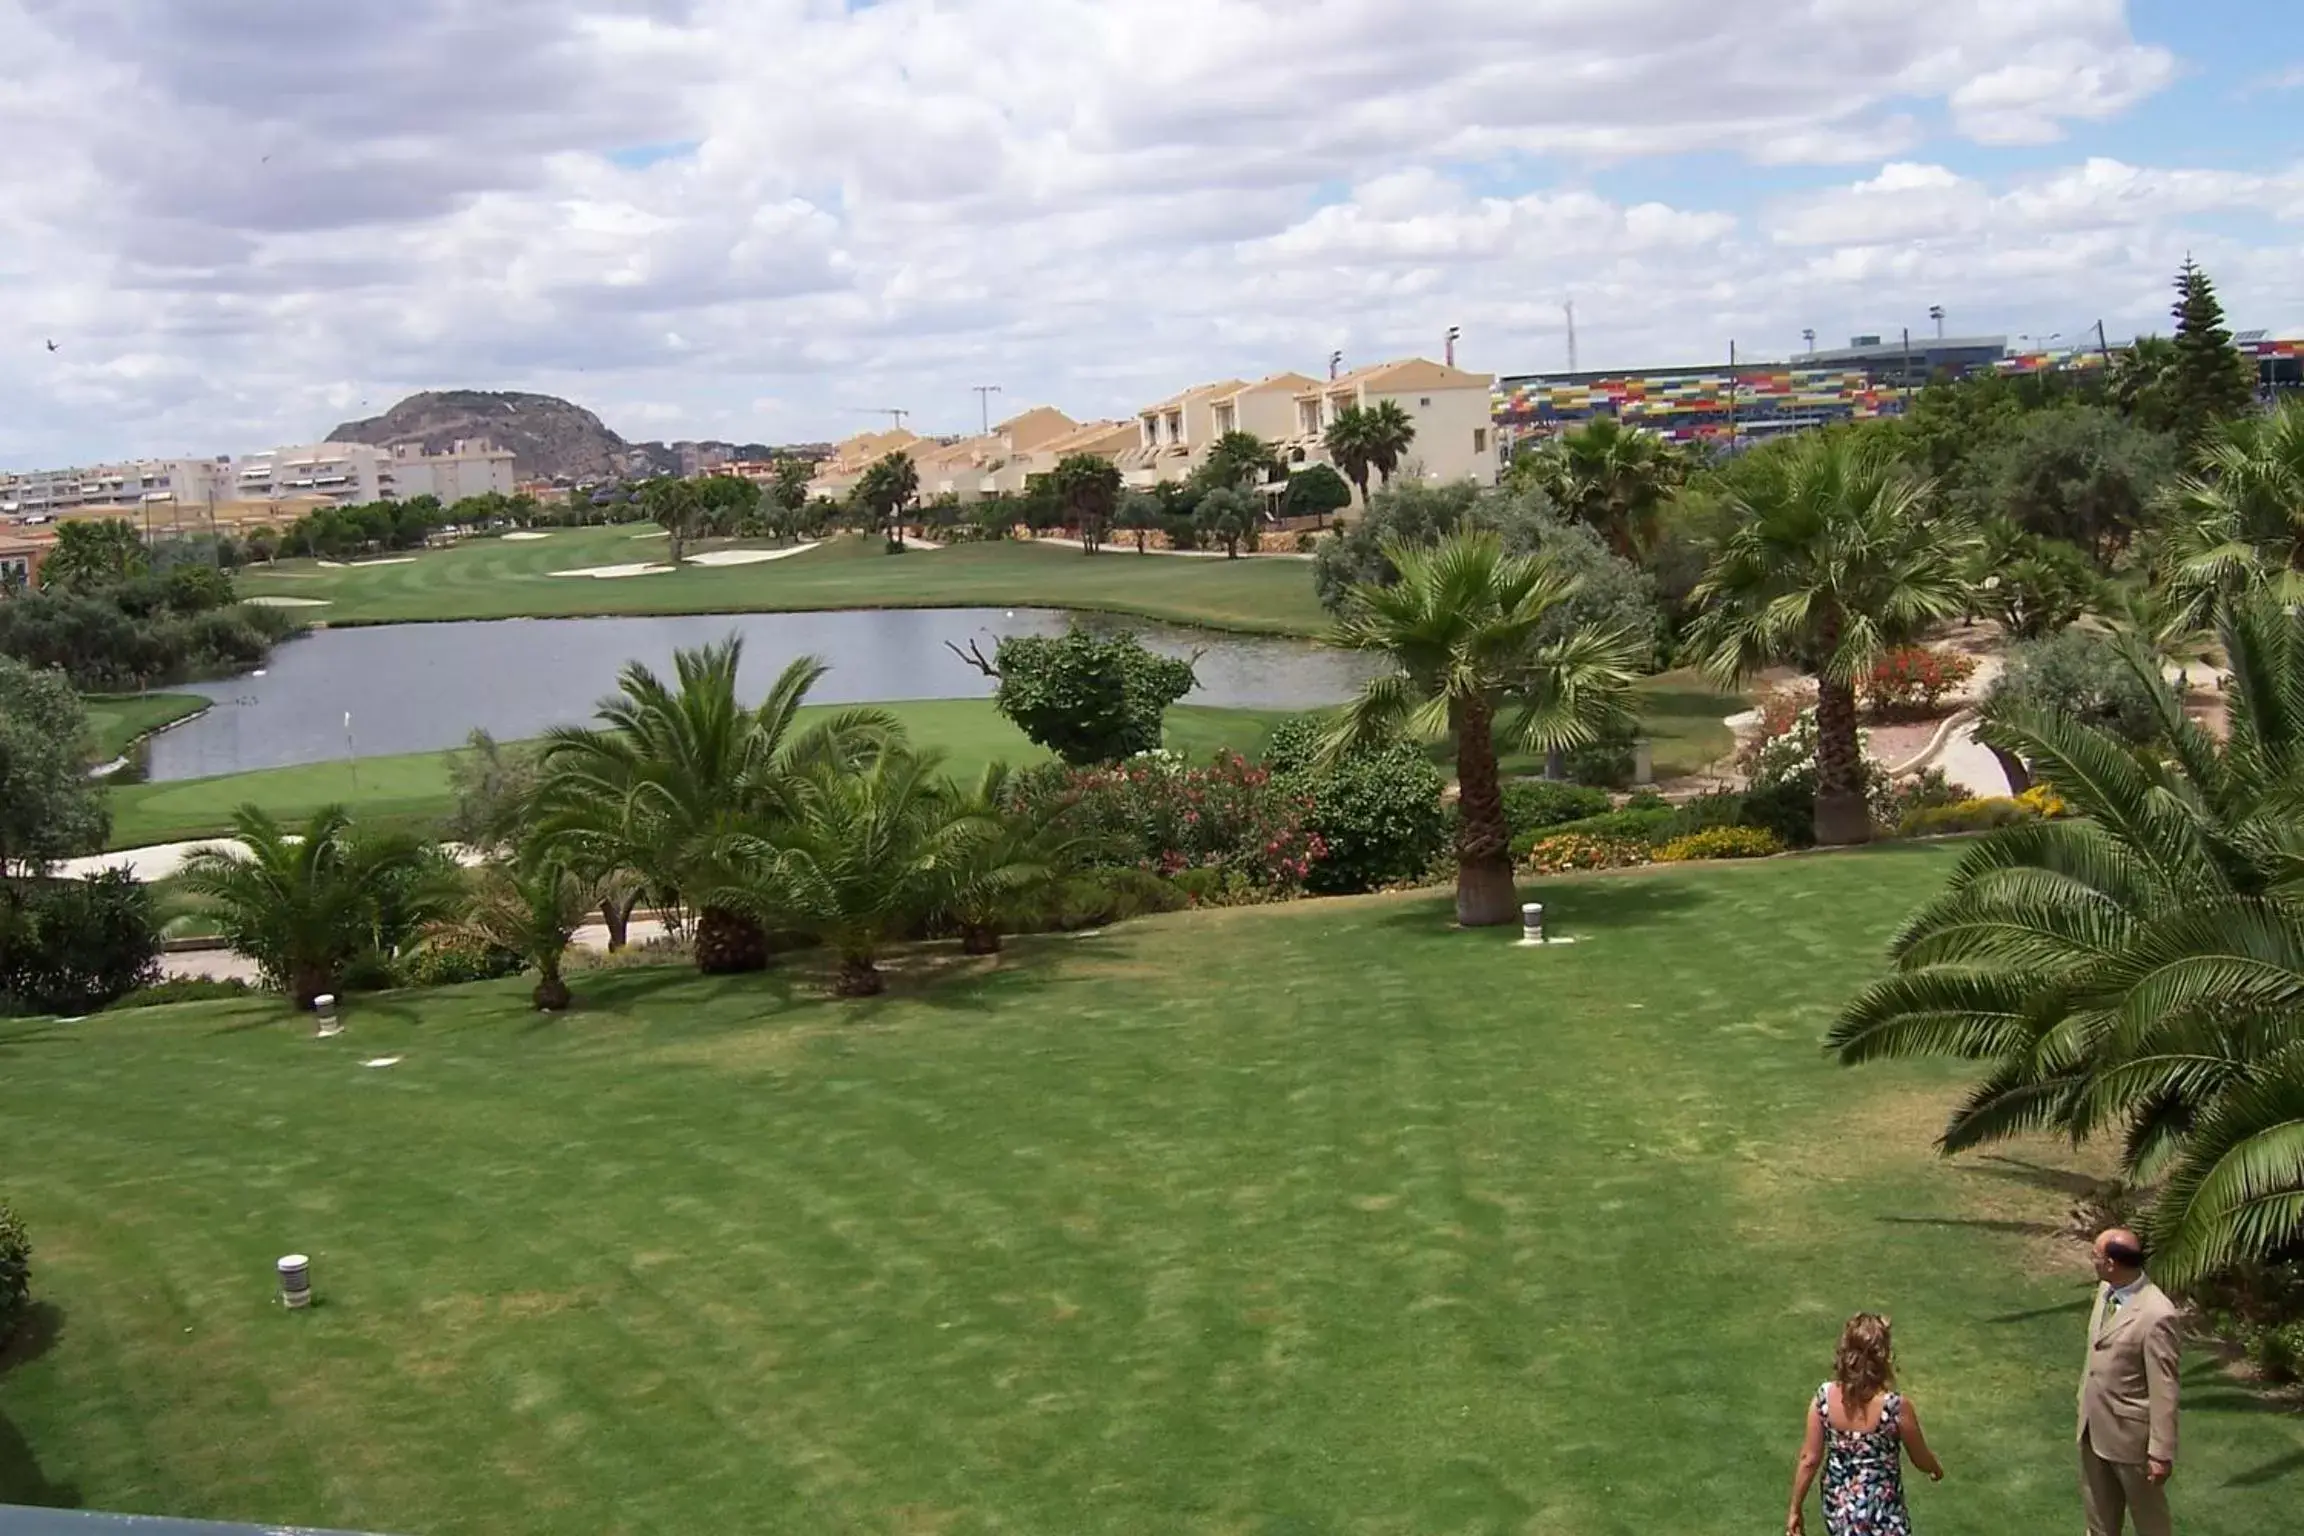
[[296, 1280], [1532, 923], [324, 1009]]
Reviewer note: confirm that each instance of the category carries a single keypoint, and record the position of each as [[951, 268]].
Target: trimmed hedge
[[15, 1272], [1532, 805], [1719, 843]]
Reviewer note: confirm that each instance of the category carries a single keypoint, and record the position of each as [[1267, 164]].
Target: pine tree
[[2211, 379]]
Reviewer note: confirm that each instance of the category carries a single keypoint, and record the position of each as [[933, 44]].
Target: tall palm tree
[[1614, 478], [885, 489], [1837, 557], [1353, 441], [1390, 430], [530, 906], [2237, 521], [865, 856], [302, 905], [675, 771], [1460, 631], [2137, 970]]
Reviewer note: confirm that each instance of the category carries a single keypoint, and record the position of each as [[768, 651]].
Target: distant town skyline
[[1084, 202]]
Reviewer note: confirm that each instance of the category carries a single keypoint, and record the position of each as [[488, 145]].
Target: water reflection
[[422, 687]]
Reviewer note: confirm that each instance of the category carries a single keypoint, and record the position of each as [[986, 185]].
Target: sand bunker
[[362, 565], [613, 572], [658, 534], [286, 602], [747, 556], [524, 535]]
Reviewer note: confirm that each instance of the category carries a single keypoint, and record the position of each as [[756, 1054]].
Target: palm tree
[[1016, 869], [1352, 441], [1837, 557], [2238, 521], [530, 906], [674, 773], [303, 905], [1089, 486], [885, 490], [1240, 460], [2139, 969], [865, 856], [1614, 478], [1391, 429], [1460, 631]]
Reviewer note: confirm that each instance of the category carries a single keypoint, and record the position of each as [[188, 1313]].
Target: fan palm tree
[[303, 905], [1460, 631], [674, 772], [1240, 460], [865, 855], [1089, 486], [2138, 970], [1353, 440], [530, 906], [1614, 478], [2238, 521], [1390, 430], [885, 489], [1837, 557]]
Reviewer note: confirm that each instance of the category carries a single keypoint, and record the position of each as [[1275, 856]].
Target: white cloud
[[241, 222]]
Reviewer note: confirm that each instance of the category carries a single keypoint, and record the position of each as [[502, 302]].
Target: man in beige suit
[[2128, 1394]]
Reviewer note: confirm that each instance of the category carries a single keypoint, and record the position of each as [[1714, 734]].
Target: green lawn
[[498, 578], [1311, 1218], [412, 788], [116, 720]]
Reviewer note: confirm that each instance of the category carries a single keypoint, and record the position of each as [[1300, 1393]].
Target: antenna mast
[[1570, 307]]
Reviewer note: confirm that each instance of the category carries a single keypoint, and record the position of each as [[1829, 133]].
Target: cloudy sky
[[241, 221]]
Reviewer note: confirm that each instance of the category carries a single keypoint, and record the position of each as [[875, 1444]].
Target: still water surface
[[422, 687]]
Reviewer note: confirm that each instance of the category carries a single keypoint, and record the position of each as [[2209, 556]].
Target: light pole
[[1808, 337], [1936, 313], [984, 394]]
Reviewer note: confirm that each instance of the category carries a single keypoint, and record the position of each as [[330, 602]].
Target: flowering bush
[[1913, 679], [1569, 851], [1720, 843], [2044, 802], [1923, 791], [1154, 813], [1980, 815]]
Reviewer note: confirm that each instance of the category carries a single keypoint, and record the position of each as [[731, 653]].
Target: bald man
[[2128, 1394]]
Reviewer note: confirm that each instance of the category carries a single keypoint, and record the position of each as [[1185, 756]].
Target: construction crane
[[894, 413]]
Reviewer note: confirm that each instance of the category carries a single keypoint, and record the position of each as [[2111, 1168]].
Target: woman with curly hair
[[1860, 1429]]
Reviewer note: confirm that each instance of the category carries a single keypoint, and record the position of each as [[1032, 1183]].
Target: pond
[[422, 687]]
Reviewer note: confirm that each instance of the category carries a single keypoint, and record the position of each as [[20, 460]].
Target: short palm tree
[[674, 772], [1241, 460], [1015, 871], [1612, 477], [1353, 441], [303, 905], [2137, 970], [1390, 430], [530, 906], [1089, 486], [865, 856], [885, 490], [2237, 522], [1460, 633], [1837, 557]]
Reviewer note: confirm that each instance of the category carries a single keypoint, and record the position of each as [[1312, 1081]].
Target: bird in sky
[[51, 346]]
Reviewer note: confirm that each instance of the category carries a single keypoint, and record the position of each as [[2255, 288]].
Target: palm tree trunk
[[1842, 817], [979, 939], [616, 917], [551, 994], [858, 977], [1485, 896], [2019, 775], [308, 980], [729, 942]]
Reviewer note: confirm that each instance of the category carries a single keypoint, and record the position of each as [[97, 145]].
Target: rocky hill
[[548, 436]]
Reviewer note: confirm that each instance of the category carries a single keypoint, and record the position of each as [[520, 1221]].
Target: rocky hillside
[[548, 436]]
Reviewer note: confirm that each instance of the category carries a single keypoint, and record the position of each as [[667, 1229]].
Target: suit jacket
[[2128, 1388]]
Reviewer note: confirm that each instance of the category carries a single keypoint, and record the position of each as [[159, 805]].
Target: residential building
[[991, 463], [1452, 410], [1172, 436], [128, 487], [21, 551], [469, 468]]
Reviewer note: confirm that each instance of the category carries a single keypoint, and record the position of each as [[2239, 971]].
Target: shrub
[[1307, 542], [1720, 808], [1643, 824], [450, 964], [1154, 813], [1982, 815], [72, 946], [1563, 852], [1925, 790], [1295, 742], [15, 1272], [1531, 805], [1785, 809], [2044, 803], [1720, 843], [1606, 762], [184, 989], [2082, 675], [1377, 815], [1914, 679]]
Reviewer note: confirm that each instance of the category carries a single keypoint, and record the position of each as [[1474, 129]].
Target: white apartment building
[[347, 474], [1452, 410], [126, 487]]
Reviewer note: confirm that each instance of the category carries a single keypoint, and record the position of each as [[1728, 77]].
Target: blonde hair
[[1865, 1364]]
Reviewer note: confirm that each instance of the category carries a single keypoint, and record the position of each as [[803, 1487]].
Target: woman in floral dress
[[1860, 1429]]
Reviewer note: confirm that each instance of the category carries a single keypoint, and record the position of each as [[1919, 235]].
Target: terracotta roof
[[1197, 392], [1399, 376], [1291, 381], [1029, 429], [1092, 437]]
